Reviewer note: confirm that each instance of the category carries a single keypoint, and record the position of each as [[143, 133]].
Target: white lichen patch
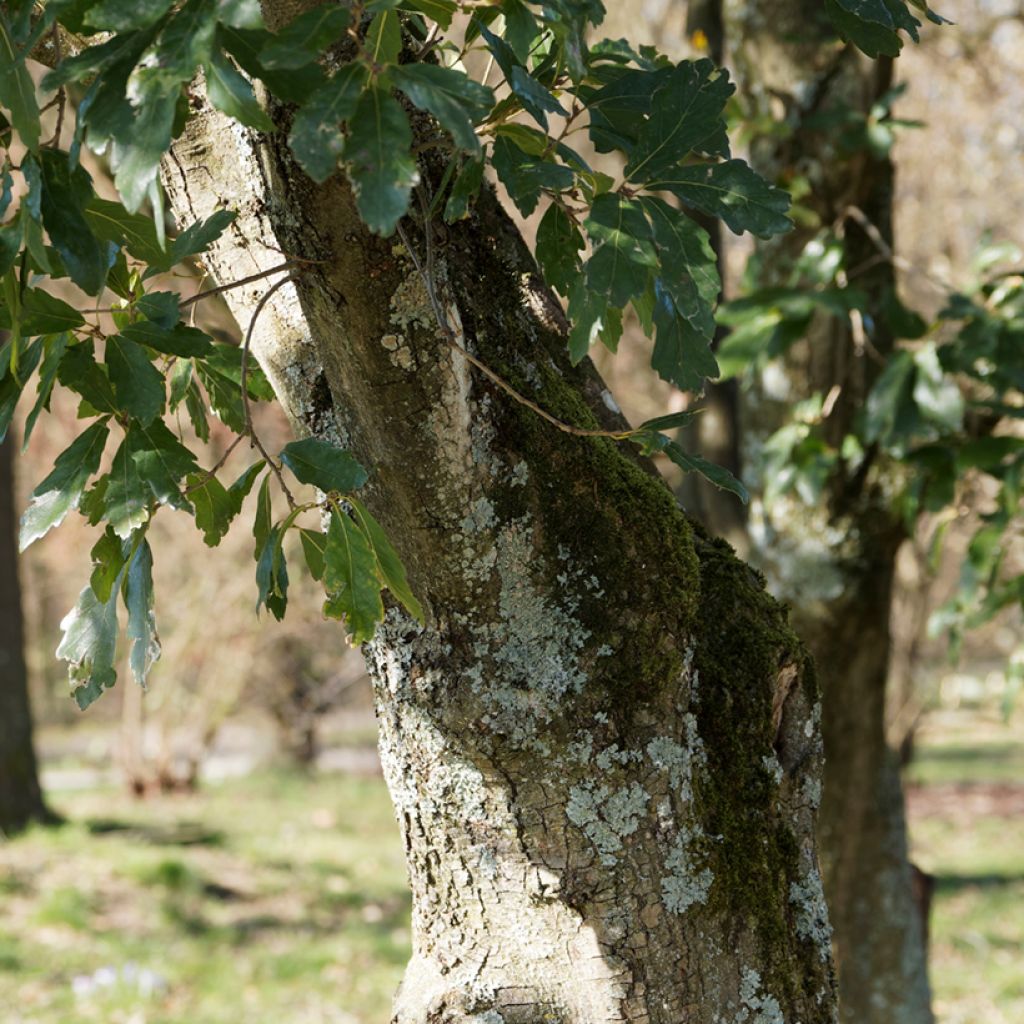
[[773, 768], [534, 646], [808, 899], [810, 792], [480, 518], [684, 884], [758, 1007], [605, 816], [679, 760], [410, 304]]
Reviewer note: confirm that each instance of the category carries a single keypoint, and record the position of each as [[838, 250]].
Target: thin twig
[[253, 438], [855, 213], [427, 273], [61, 97], [199, 296], [210, 473]]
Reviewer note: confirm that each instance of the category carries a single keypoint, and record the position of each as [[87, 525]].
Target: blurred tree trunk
[[601, 745], [716, 432], [21, 799], [835, 563]]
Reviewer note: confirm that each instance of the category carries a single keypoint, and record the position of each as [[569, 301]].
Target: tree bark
[[836, 563], [21, 799], [603, 745]]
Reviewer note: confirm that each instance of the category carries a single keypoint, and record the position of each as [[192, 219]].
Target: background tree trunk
[[21, 800], [602, 746], [836, 563]]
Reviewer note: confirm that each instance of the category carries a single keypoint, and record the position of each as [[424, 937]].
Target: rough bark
[[21, 799], [603, 745], [836, 563]]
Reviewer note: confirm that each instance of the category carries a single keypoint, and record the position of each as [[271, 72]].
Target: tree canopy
[[503, 88]]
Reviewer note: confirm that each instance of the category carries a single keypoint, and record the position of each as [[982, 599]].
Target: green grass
[[269, 899], [975, 849]]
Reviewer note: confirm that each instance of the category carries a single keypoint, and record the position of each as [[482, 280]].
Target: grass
[[282, 899], [267, 899], [967, 830]]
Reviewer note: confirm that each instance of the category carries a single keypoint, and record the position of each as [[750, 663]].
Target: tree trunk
[[602, 746], [21, 800], [836, 563]]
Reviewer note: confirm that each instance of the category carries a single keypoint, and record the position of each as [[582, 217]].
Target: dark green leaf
[[144, 643], [111, 222], [350, 578], [17, 91], [451, 96], [196, 238], [126, 15], [521, 28], [384, 38], [389, 564], [126, 500], [12, 383], [440, 11], [686, 116], [272, 575], [525, 176], [873, 25], [108, 558], [689, 267], [323, 465], [61, 491], [55, 348], [890, 406], [732, 191], [65, 194], [316, 137], [43, 313], [245, 45], [624, 253], [559, 242], [464, 191], [263, 519], [314, 544], [682, 354], [719, 476], [138, 384], [162, 308], [162, 460], [214, 506], [303, 39], [381, 165], [177, 341], [672, 421], [230, 93]]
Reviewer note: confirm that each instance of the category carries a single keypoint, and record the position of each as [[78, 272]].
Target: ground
[[277, 899]]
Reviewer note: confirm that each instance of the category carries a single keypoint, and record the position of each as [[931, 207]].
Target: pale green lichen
[[757, 1008], [535, 645], [480, 518], [607, 816], [684, 885], [679, 760], [772, 767], [811, 917]]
